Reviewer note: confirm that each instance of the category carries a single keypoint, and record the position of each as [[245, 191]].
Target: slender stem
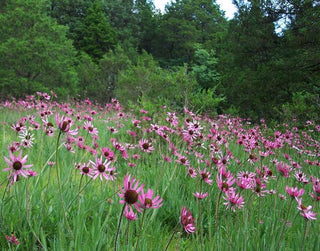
[[174, 231], [284, 224], [305, 234], [217, 211], [59, 187], [200, 219], [118, 229], [141, 228]]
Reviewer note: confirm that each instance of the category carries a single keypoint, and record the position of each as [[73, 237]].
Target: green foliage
[[96, 35], [147, 82], [304, 106], [184, 24], [204, 67], [35, 53], [205, 101]]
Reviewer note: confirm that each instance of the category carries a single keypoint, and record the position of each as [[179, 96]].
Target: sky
[[225, 5]]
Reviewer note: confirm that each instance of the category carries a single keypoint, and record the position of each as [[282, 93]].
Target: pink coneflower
[[15, 147], [129, 214], [112, 129], [17, 166], [108, 153], [284, 169], [130, 192], [192, 172], [233, 200], [200, 196], [102, 169], [64, 124], [246, 182], [187, 221], [146, 146], [225, 184], [12, 239], [166, 158], [294, 192], [85, 169], [205, 176], [19, 127], [146, 201], [305, 211], [183, 160], [27, 139], [88, 126], [301, 177]]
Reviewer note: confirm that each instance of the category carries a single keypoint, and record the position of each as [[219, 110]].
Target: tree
[[96, 34], [35, 54], [204, 67], [185, 23]]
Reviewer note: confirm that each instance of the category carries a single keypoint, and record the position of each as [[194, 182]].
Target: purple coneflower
[[146, 146], [294, 192], [146, 201], [130, 192], [187, 221], [200, 196], [233, 200], [102, 169], [17, 166]]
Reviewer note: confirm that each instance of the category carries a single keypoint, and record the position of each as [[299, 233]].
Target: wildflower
[[167, 158], [284, 169], [64, 124], [305, 211], [226, 184], [130, 192], [205, 176], [187, 221], [301, 177], [146, 146], [27, 138], [12, 239], [233, 200], [294, 192], [183, 160], [129, 214], [102, 169], [200, 196], [86, 170], [19, 127], [14, 147], [108, 153], [192, 172], [88, 126], [146, 201], [17, 166]]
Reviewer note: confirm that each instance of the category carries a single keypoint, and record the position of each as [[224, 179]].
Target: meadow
[[77, 176]]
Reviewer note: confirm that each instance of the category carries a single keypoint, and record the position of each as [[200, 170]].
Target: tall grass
[[61, 208]]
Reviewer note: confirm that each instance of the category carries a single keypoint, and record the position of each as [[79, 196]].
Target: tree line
[[263, 63]]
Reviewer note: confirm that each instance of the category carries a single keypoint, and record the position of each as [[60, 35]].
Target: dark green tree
[[35, 54], [185, 23], [96, 34]]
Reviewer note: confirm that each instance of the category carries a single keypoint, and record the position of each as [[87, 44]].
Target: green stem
[[118, 229], [141, 228], [284, 224], [174, 232], [217, 211], [305, 234], [59, 188]]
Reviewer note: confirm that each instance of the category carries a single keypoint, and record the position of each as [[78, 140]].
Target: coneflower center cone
[[101, 168], [131, 196], [17, 165]]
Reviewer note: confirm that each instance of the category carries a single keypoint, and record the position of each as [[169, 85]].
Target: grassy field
[[76, 176]]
